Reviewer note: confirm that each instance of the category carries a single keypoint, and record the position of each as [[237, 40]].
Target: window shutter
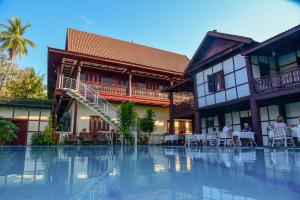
[[211, 83]]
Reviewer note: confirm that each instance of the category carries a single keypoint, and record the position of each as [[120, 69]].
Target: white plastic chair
[[224, 138], [289, 137], [190, 139], [279, 137], [212, 139]]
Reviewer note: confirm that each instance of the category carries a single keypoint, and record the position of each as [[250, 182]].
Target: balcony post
[[130, 85], [197, 122], [256, 122], [78, 77], [171, 112]]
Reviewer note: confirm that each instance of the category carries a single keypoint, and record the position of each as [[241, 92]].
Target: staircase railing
[[89, 94]]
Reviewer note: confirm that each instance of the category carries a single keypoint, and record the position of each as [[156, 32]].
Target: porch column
[[75, 118], [130, 85], [198, 125], [171, 112], [256, 124], [78, 76]]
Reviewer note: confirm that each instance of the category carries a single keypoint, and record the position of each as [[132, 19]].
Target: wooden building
[[94, 74], [238, 80], [29, 115]]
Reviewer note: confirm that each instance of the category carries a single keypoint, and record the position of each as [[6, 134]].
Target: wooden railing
[[278, 80], [138, 92], [183, 108], [154, 94], [109, 88]]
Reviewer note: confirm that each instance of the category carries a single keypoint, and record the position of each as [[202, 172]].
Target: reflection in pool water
[[148, 173]]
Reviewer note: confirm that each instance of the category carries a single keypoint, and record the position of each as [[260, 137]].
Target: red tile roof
[[109, 48]]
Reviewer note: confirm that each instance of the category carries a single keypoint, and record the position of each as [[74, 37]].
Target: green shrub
[[49, 137], [37, 139], [127, 116], [8, 131]]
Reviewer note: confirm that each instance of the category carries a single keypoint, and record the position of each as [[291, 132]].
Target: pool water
[[154, 172]]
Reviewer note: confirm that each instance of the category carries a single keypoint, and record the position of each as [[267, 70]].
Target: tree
[[12, 39], [126, 117], [4, 67], [147, 123], [8, 131], [25, 84]]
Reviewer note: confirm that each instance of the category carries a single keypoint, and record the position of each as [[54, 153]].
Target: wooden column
[[75, 118], [78, 73], [130, 85], [256, 123], [78, 76], [198, 125], [171, 112], [255, 110]]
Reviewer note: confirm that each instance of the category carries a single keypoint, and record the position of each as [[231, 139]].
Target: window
[[264, 69], [215, 82], [98, 124], [219, 81], [210, 83]]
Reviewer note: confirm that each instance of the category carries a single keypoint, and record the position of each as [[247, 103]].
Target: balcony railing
[[278, 80], [109, 88], [153, 94], [184, 108], [138, 92]]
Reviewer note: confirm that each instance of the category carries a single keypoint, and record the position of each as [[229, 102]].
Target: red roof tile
[[109, 48]]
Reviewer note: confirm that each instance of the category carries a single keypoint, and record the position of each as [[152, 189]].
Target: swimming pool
[[153, 172]]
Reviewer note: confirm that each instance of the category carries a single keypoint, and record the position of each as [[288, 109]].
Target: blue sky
[[173, 25]]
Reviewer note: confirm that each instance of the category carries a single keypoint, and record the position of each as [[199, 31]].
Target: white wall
[[235, 78], [84, 113]]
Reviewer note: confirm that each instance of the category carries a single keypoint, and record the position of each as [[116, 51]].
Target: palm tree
[[12, 39]]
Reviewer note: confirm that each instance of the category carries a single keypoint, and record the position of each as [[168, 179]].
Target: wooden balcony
[[123, 90], [278, 81], [152, 94], [184, 108], [109, 88]]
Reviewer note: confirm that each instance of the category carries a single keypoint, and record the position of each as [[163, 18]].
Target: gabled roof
[[284, 42], [20, 102], [215, 43], [114, 49]]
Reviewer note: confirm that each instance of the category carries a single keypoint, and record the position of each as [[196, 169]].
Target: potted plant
[[127, 117], [147, 125]]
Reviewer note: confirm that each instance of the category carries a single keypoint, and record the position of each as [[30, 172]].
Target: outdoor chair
[[282, 136], [101, 137], [224, 139], [212, 139], [87, 138], [190, 140], [72, 139], [289, 137]]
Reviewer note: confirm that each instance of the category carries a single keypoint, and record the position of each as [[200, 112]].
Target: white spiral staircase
[[90, 98]]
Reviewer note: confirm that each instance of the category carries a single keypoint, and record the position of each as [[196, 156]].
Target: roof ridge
[[131, 43]]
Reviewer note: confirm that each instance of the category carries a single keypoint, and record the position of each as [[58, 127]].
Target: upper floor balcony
[[278, 80], [124, 91]]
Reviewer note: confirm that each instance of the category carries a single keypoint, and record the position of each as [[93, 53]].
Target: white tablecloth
[[171, 138], [200, 137], [246, 135]]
